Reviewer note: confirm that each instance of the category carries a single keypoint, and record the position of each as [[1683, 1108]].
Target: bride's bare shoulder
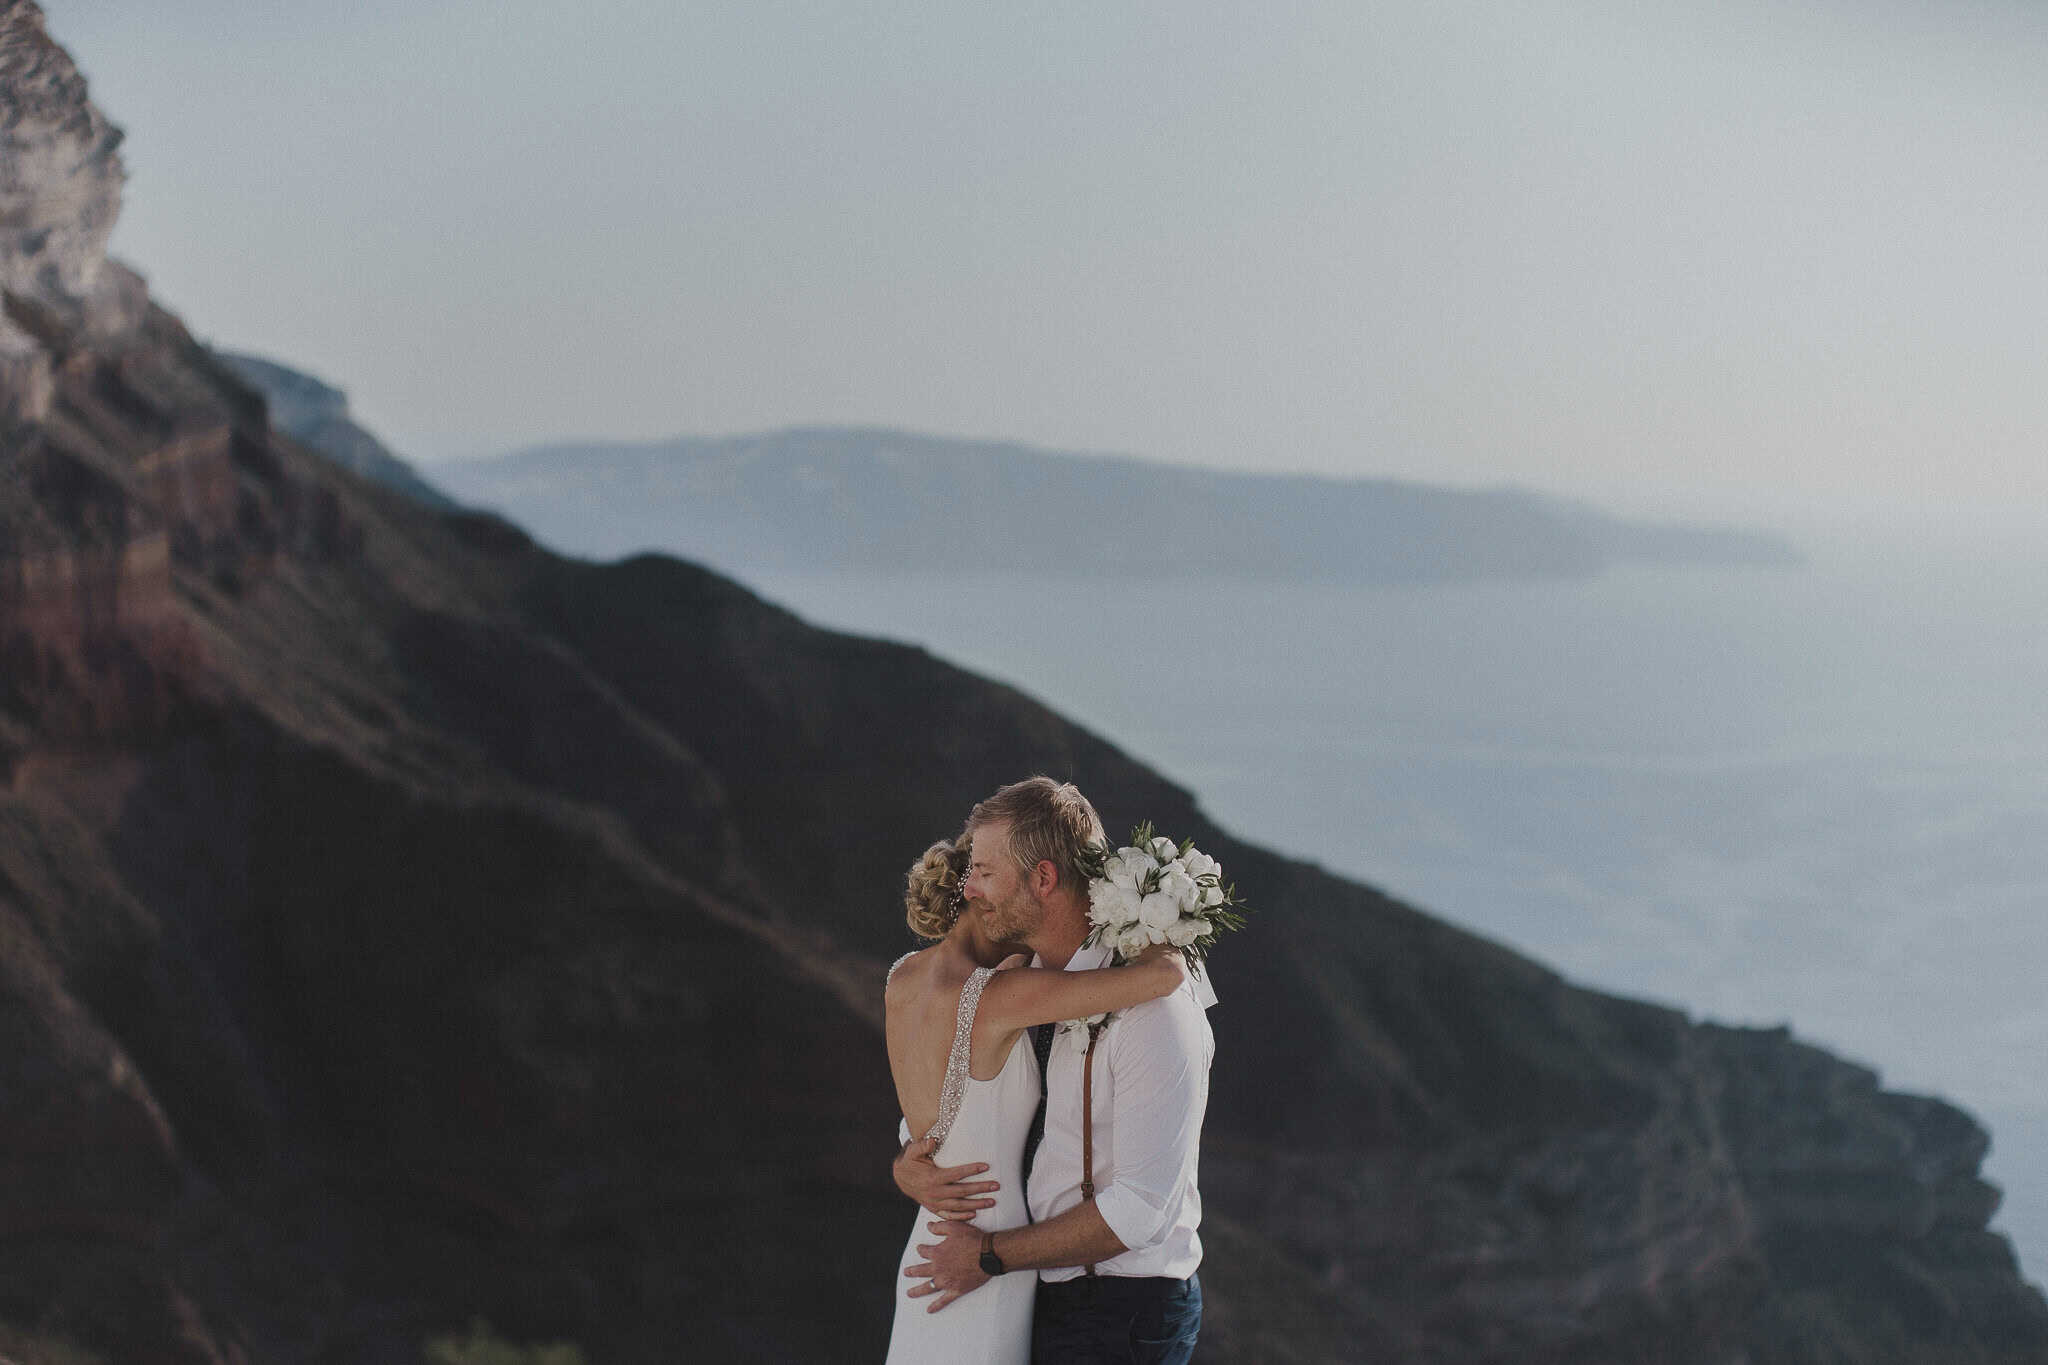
[[903, 968], [915, 974]]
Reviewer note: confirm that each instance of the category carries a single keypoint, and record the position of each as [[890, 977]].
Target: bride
[[967, 1078]]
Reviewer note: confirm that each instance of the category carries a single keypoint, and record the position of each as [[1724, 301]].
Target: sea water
[[1816, 797]]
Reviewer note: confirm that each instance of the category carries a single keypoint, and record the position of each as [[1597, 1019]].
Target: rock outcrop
[[60, 192], [401, 924], [316, 415]]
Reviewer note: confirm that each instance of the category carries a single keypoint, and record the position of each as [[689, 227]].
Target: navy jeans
[[1116, 1320]]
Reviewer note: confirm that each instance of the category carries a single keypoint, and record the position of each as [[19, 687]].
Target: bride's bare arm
[[1024, 996]]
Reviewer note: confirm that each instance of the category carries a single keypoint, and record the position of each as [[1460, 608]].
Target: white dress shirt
[[1150, 1090]]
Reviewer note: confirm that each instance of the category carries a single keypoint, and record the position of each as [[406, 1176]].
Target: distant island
[[876, 499], [881, 500]]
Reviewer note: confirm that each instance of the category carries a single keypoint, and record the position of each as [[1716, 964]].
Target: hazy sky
[[1725, 256]]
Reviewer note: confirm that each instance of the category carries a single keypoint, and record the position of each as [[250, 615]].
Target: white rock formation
[[60, 192]]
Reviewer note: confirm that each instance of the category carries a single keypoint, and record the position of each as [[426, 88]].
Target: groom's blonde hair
[[1048, 822]]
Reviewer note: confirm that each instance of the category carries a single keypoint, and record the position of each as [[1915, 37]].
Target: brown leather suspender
[[1088, 1122]]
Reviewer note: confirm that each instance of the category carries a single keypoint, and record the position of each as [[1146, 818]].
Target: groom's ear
[[1045, 878]]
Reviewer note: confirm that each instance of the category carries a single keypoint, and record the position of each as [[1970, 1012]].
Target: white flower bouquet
[[1153, 890]]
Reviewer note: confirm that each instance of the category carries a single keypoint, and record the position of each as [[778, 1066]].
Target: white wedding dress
[[978, 1121]]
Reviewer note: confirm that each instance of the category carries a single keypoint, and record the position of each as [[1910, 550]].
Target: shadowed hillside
[[402, 925]]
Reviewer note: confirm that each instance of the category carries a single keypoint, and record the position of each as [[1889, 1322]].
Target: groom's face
[[997, 885]]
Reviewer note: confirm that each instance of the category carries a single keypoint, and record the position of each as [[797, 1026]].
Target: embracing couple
[[1080, 1244]]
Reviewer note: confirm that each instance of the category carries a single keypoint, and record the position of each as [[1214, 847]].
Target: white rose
[[1133, 941], [1165, 849], [1143, 866], [1185, 932], [1115, 890], [1131, 907], [1158, 911], [1211, 895], [1178, 885], [1103, 902], [1122, 870], [1200, 864]]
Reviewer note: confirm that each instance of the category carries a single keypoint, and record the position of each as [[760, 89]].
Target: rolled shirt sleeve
[[1162, 1052]]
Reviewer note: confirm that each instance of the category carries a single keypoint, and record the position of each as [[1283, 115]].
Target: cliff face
[[148, 459], [1869, 1210], [60, 192], [400, 923]]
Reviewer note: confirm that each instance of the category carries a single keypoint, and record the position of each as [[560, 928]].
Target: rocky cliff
[[402, 924], [317, 415], [60, 192]]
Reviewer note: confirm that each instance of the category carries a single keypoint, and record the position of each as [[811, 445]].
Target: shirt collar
[[1088, 957]]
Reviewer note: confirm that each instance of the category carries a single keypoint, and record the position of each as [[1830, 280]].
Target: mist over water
[[1815, 797]]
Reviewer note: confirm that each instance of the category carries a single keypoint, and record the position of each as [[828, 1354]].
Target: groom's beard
[[1012, 920]]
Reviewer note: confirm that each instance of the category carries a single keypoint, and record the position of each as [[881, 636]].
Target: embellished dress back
[[978, 1121]]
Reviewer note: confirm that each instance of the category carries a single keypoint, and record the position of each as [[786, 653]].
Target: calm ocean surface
[[1813, 797]]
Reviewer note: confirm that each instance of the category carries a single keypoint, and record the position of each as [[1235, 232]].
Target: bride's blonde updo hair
[[931, 894]]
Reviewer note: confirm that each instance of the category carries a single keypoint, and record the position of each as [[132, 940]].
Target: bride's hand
[[1168, 962]]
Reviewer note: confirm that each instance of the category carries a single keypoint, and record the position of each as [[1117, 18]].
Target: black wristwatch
[[991, 1264]]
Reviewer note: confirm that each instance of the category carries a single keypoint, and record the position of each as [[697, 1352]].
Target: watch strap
[[991, 1264]]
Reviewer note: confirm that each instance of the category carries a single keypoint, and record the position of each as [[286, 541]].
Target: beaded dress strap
[[954, 1088], [894, 965]]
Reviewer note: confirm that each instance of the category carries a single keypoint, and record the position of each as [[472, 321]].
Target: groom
[[1116, 1272]]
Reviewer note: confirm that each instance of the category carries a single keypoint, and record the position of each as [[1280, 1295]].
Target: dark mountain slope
[[330, 864]]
